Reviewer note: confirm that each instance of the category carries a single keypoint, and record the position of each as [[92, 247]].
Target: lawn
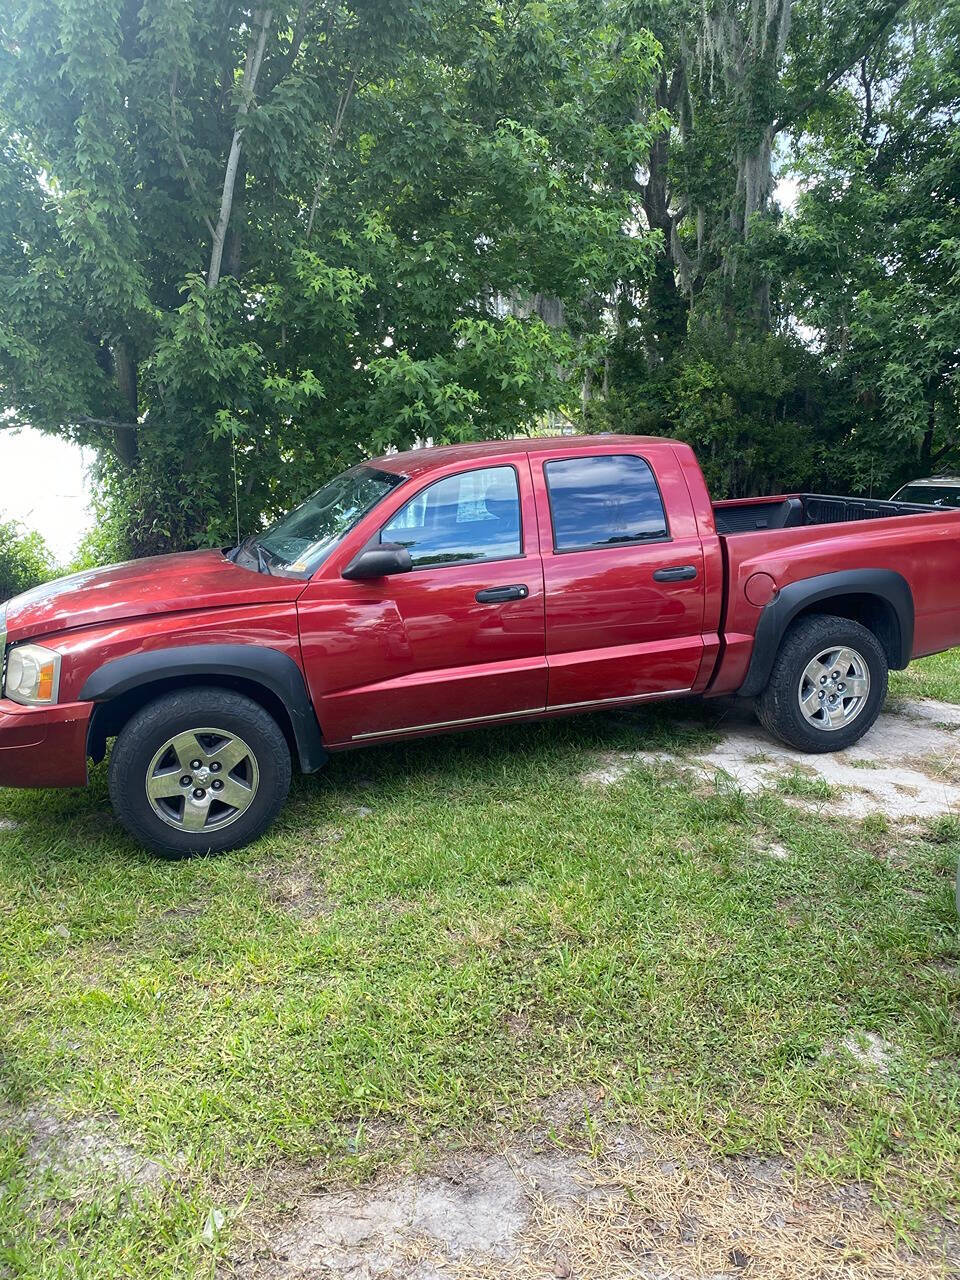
[[434, 942]]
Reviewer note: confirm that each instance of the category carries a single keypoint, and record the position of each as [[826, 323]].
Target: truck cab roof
[[416, 461]]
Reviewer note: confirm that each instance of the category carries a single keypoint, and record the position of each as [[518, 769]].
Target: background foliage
[[25, 560], [255, 244]]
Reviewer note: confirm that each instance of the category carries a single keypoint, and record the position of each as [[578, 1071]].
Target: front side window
[[462, 518], [603, 501]]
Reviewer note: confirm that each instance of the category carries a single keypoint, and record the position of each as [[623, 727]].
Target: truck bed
[[745, 515]]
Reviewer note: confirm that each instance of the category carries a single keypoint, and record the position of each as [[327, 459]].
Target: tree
[[780, 345], [737, 75], [243, 245], [25, 559], [873, 252]]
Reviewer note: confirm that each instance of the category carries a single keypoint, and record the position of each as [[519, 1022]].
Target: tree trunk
[[667, 305], [233, 252], [251, 71]]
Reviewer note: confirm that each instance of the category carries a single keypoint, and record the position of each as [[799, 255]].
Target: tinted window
[[472, 516], [931, 495], [603, 501]]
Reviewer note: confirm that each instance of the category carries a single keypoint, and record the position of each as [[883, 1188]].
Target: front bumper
[[43, 746]]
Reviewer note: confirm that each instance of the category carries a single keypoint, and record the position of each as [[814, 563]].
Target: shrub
[[25, 559]]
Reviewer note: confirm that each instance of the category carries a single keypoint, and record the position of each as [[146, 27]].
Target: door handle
[[675, 573], [496, 595]]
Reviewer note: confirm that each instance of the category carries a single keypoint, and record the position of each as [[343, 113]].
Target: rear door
[[458, 640], [623, 574]]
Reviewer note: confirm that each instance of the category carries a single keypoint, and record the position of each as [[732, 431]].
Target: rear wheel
[[201, 771], [827, 686]]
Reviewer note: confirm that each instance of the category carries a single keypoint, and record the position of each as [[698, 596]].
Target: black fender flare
[[882, 584], [252, 663]]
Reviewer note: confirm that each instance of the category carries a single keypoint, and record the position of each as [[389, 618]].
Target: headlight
[[33, 674]]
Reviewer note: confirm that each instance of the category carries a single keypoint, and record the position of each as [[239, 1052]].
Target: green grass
[[804, 786], [937, 677], [364, 986]]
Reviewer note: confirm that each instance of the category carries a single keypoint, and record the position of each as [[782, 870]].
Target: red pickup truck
[[472, 585]]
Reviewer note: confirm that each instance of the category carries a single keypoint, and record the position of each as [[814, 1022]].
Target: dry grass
[[675, 1214]]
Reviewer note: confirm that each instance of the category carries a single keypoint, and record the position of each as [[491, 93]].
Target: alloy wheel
[[834, 688], [202, 780]]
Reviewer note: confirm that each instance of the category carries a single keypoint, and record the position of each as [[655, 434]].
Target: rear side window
[[604, 501], [462, 518]]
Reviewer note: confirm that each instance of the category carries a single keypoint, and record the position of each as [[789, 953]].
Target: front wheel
[[201, 771], [827, 686]]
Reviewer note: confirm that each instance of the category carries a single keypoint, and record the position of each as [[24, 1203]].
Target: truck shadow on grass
[[450, 759]]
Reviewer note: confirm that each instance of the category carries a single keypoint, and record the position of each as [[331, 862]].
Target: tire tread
[[145, 731], [777, 707]]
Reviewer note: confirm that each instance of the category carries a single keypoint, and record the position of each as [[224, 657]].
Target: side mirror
[[379, 562]]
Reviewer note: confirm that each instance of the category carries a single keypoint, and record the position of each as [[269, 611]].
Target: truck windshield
[[932, 495], [302, 540]]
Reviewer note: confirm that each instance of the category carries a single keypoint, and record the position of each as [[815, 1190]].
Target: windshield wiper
[[262, 560], [243, 548]]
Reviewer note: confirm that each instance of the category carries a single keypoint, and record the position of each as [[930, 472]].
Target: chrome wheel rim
[[202, 780], [834, 688]]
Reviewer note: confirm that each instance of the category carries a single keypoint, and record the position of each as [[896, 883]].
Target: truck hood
[[159, 584]]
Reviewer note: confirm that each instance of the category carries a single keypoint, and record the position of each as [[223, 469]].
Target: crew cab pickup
[[436, 590]]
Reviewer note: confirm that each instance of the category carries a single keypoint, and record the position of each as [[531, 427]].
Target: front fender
[[251, 664]]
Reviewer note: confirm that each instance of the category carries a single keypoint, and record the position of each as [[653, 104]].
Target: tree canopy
[[242, 247]]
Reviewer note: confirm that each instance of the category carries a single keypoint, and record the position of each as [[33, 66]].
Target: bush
[[25, 559]]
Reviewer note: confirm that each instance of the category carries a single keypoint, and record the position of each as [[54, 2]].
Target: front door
[[624, 583], [458, 640]]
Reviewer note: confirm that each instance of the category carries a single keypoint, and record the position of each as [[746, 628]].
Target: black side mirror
[[379, 562]]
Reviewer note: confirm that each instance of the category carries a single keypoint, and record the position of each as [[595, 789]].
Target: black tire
[[778, 707], [264, 770]]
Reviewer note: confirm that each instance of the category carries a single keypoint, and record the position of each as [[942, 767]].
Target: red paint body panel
[[272, 625], [139, 588], [43, 746], [399, 654], [417, 653], [924, 549], [613, 632]]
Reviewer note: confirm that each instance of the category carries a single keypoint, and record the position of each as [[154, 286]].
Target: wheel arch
[[879, 599], [121, 687]]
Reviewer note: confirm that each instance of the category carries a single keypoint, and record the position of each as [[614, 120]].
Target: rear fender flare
[[880, 584]]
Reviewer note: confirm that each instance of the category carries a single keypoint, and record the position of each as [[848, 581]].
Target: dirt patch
[[779, 852], [296, 892], [517, 1026], [565, 1111], [611, 766], [83, 1151], [644, 1208], [903, 768], [871, 1051], [186, 911], [415, 1226]]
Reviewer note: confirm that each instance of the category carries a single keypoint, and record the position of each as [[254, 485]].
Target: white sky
[[785, 193], [43, 484]]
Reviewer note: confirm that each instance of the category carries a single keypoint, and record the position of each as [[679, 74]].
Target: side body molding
[[253, 664], [883, 585]]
